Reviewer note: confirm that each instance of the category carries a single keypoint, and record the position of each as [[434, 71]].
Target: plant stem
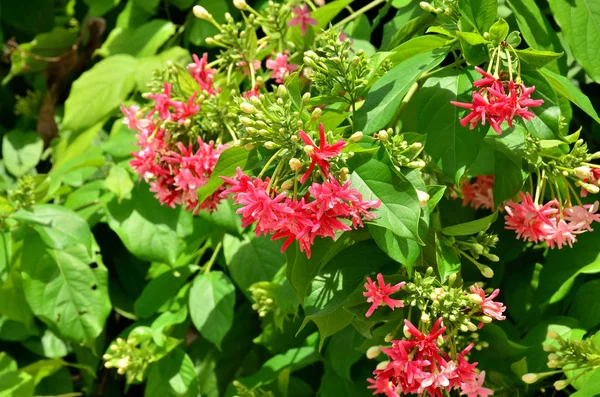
[[269, 163], [357, 13], [212, 259]]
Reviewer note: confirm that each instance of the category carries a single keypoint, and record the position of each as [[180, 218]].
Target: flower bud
[[475, 298], [406, 331], [270, 145], [472, 327], [121, 371], [463, 328], [108, 364], [425, 318], [382, 365], [486, 35], [287, 185], [249, 146], [560, 384], [373, 352], [423, 198], [344, 172], [247, 108], [552, 335], [426, 6], [295, 164], [448, 12], [589, 187], [382, 135], [240, 4], [529, 378], [553, 364], [357, 136], [114, 348], [582, 172], [306, 98], [282, 91], [416, 164], [107, 357], [316, 113], [389, 337], [486, 319], [487, 272], [309, 149], [201, 13], [246, 121], [123, 362]]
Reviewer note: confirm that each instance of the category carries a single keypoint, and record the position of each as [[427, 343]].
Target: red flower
[[479, 193], [280, 67], [252, 93], [302, 18], [380, 294], [320, 154], [204, 76]]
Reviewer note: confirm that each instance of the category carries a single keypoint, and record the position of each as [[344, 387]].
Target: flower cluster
[[379, 295], [498, 101], [479, 193], [418, 365], [549, 223], [174, 169], [320, 213]]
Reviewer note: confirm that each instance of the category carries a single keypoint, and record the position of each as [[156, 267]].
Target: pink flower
[[562, 234], [383, 385], [531, 222], [280, 67], [594, 179], [581, 217], [252, 93], [487, 304], [131, 119], [302, 18], [480, 193], [320, 154], [379, 294], [438, 380], [243, 65], [162, 102], [475, 388], [204, 76]]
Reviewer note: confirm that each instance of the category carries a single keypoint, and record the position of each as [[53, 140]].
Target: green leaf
[[585, 306], [471, 227], [100, 7], [174, 375], [579, 22], [229, 160], [416, 46], [480, 14], [448, 262], [563, 266], [331, 323], [66, 288], [147, 65], [256, 259], [99, 91], [411, 28], [474, 47], [400, 209], [13, 304], [564, 87], [341, 353], [386, 94], [500, 344], [140, 42], [30, 57], [403, 251], [21, 151], [451, 145], [16, 384], [212, 298], [537, 31], [49, 345], [547, 123], [341, 276], [119, 182], [537, 58], [148, 229], [499, 31], [294, 359], [160, 291]]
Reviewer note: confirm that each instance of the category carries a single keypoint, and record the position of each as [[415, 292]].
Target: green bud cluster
[[460, 310], [336, 70], [404, 153], [274, 19], [243, 391], [23, 195], [271, 120], [130, 357], [264, 296], [29, 105], [478, 245]]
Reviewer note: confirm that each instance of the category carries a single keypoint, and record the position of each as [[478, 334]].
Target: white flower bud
[[246, 121], [389, 337], [382, 365], [201, 13], [382, 135], [406, 331], [316, 113], [582, 172], [107, 357], [475, 298], [486, 319], [425, 318], [309, 149], [240, 4], [123, 362], [247, 108], [114, 348], [529, 378], [295, 164], [281, 91], [306, 97], [423, 198], [487, 272], [357, 136], [121, 371], [472, 327], [560, 384], [373, 352], [270, 145], [287, 185], [108, 364]]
